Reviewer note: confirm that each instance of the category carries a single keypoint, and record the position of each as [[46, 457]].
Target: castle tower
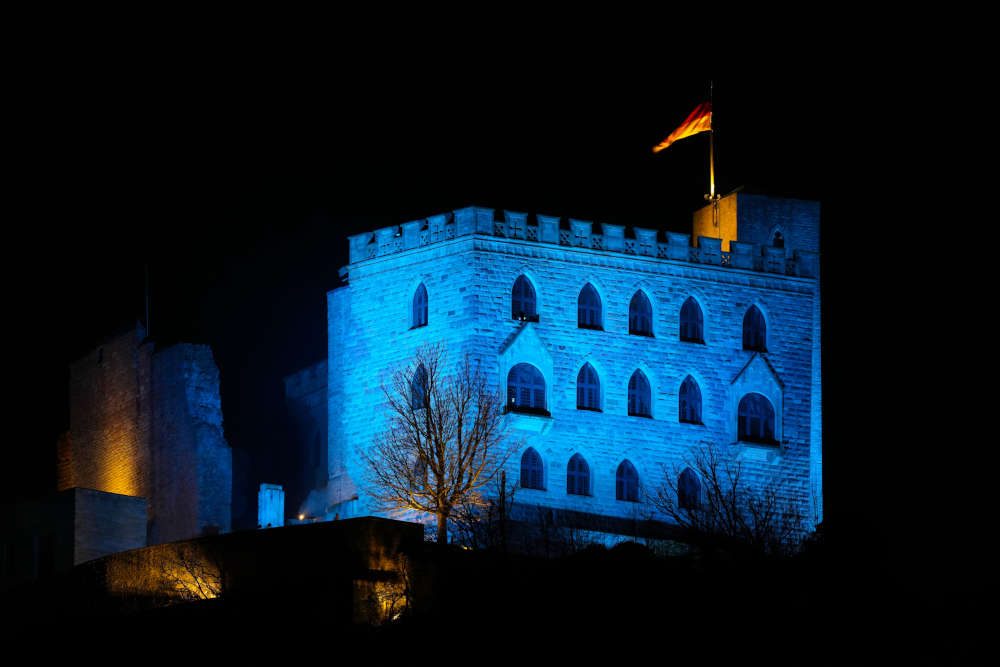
[[638, 349], [147, 423]]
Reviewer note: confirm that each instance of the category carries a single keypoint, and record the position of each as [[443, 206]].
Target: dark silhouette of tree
[[487, 526], [711, 495], [444, 442]]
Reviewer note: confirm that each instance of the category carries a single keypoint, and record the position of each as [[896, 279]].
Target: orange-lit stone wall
[[108, 444]]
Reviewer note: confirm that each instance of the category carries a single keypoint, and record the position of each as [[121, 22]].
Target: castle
[[620, 353]]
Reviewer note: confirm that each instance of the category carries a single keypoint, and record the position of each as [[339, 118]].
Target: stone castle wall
[[149, 424], [192, 463], [468, 276]]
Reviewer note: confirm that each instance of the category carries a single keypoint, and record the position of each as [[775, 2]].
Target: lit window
[[578, 476], [419, 318], [756, 419], [639, 404], [526, 390], [522, 300], [627, 482], [692, 323], [588, 309], [640, 315], [689, 402], [754, 330], [688, 490], [588, 389], [532, 475]]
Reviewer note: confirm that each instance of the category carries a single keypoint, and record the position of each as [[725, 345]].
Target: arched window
[[639, 404], [588, 389], [588, 309], [640, 315], [692, 323], [578, 476], [689, 402], [532, 475], [526, 390], [522, 300], [419, 307], [688, 490], [754, 330], [418, 388], [627, 482], [756, 419]]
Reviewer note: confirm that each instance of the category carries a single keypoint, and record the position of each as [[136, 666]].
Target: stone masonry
[[468, 261], [147, 423]]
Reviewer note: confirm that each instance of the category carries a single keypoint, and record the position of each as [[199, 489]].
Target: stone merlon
[[603, 237]]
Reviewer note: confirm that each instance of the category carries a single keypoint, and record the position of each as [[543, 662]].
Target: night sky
[[238, 180]]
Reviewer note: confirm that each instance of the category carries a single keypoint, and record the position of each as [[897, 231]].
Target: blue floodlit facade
[[621, 350]]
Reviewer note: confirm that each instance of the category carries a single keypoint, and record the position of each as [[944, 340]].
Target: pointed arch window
[[754, 330], [522, 300], [640, 315], [692, 322], [588, 389], [689, 402], [639, 398], [588, 309], [578, 476], [526, 390], [627, 482], [688, 490], [419, 312], [418, 388], [532, 472], [756, 419]]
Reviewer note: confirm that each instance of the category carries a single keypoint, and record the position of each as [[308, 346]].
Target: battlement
[[639, 241]]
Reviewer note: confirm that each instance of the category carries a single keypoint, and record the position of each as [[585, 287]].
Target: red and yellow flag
[[699, 120]]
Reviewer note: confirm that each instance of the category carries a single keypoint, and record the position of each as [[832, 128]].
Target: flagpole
[[711, 196], [711, 164]]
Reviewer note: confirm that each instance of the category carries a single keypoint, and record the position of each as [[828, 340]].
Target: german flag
[[699, 120]]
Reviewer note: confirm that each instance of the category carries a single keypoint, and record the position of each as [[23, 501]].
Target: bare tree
[[444, 441], [487, 527], [726, 505]]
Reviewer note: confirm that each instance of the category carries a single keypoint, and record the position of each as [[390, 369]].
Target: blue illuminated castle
[[620, 350]]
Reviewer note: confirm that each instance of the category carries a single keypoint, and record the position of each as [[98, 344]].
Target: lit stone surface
[[270, 506], [468, 261], [148, 423]]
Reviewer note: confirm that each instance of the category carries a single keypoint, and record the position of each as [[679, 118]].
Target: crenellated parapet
[[584, 234]]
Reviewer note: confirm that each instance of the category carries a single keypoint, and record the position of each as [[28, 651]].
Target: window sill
[[757, 451], [755, 349], [590, 327], [641, 416], [770, 444], [583, 407], [692, 340], [418, 326], [531, 422], [640, 333], [541, 412], [529, 488], [580, 495], [524, 317], [684, 421]]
